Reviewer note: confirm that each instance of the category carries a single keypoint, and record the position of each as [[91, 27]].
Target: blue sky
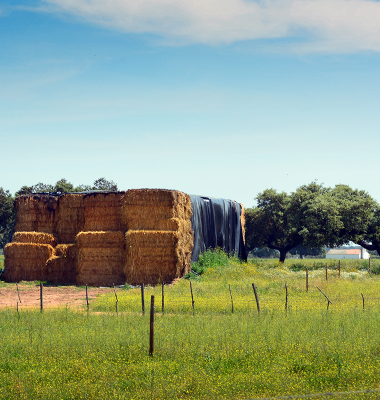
[[223, 98]]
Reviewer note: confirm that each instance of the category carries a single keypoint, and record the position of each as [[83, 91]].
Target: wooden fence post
[[163, 298], [87, 303], [142, 299], [192, 297], [326, 272], [363, 300], [232, 301], [307, 280], [117, 313], [151, 335], [18, 293], [41, 297], [339, 269], [256, 297], [328, 300], [286, 297]]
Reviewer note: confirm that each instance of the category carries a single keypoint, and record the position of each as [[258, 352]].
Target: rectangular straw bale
[[70, 217], [34, 237], [102, 212], [101, 239], [26, 261], [156, 256], [36, 213], [156, 204], [100, 266], [145, 266]]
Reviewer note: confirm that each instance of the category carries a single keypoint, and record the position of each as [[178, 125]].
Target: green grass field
[[213, 353]]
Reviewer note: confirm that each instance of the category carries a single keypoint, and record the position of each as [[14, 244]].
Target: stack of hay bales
[[36, 213], [26, 256], [159, 240], [101, 244], [70, 220], [101, 258]]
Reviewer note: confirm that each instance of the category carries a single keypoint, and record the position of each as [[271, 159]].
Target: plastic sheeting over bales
[[217, 223]]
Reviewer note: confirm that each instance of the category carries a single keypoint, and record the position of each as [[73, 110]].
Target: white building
[[353, 254]]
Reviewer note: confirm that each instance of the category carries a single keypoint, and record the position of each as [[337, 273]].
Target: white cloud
[[320, 25]]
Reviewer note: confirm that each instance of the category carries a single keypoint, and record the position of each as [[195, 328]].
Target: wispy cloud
[[315, 25]]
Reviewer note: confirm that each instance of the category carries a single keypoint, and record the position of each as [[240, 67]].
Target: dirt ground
[[53, 296]]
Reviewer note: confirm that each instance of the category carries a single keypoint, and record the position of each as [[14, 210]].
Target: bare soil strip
[[53, 296]]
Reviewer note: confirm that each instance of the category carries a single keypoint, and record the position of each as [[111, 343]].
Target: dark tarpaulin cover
[[216, 223]]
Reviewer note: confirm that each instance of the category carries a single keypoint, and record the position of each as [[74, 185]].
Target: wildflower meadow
[[222, 348]]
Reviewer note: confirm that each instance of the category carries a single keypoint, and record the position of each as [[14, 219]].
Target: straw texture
[[36, 213], [62, 266], [101, 258], [34, 237], [26, 261], [102, 212], [70, 217]]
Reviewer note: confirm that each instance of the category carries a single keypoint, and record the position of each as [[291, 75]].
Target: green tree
[[103, 184], [272, 223], [7, 216], [370, 240], [63, 186], [312, 216]]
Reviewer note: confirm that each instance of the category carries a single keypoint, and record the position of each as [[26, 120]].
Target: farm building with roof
[[348, 254], [112, 238]]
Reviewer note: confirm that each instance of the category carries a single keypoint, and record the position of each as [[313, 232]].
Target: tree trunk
[[283, 255], [371, 247]]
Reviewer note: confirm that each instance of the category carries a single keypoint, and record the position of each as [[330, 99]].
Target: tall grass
[[213, 354]]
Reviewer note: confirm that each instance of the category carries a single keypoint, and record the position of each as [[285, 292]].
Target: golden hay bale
[[100, 266], [102, 212], [156, 256], [34, 237], [101, 239], [26, 261], [70, 219], [36, 213], [156, 204]]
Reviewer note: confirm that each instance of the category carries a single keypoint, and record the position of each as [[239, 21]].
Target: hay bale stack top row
[[100, 239]]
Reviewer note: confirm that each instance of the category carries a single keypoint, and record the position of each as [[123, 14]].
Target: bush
[[212, 258]]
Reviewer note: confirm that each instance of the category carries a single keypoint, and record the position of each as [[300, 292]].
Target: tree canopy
[[312, 216]]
